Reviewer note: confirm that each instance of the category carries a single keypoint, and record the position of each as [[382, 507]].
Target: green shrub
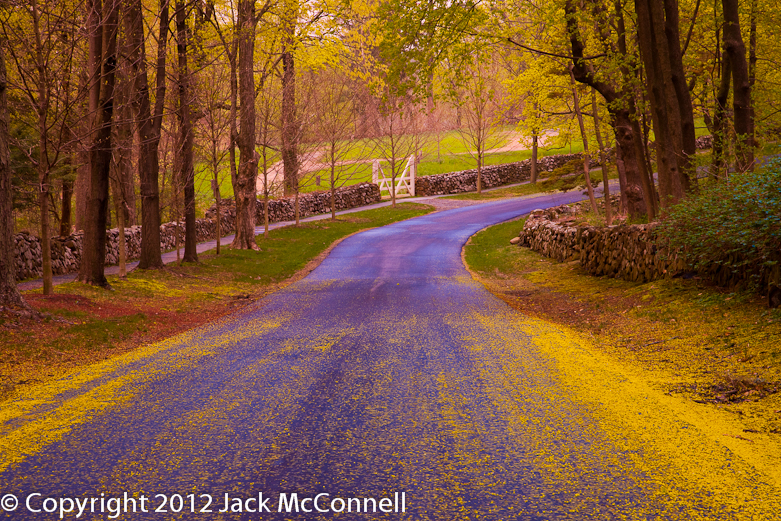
[[734, 223]]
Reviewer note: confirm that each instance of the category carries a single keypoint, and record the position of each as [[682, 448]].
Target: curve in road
[[387, 376]]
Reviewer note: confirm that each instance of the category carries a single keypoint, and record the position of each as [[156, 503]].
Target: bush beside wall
[[635, 253]]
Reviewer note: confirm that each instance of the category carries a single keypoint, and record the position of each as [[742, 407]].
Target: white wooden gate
[[405, 183]]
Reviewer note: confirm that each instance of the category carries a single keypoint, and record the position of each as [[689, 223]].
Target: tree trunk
[[602, 159], [187, 173], [120, 207], [535, 145], [479, 171], [289, 124], [295, 204], [246, 202], [67, 201], [584, 135], [333, 180], [46, 249], [741, 94], [393, 179], [93, 256], [234, 131], [148, 126], [124, 187], [621, 119], [752, 72], [217, 195], [668, 93], [122, 241], [719, 118], [623, 207], [685, 112], [177, 219], [81, 185], [42, 107], [43, 196], [635, 187], [646, 178], [9, 293]]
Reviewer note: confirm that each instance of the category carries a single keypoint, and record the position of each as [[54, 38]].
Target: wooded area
[[112, 110]]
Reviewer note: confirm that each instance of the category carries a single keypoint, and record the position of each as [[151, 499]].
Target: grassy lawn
[[362, 172], [346, 175], [88, 324], [705, 344], [442, 153], [431, 144]]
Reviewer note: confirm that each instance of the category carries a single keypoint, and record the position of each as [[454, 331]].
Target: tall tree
[[231, 47], [584, 136], [735, 49], [671, 107], [719, 126], [334, 127], [476, 92], [43, 43], [246, 179], [636, 187], [148, 125], [289, 123], [185, 149], [213, 127], [602, 160], [103, 26], [9, 293]]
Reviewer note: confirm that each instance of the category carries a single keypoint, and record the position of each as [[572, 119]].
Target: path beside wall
[[66, 251]]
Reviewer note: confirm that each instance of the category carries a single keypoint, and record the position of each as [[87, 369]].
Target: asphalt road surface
[[386, 381]]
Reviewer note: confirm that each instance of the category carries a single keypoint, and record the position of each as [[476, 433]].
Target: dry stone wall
[[66, 251], [312, 203], [625, 252], [492, 176], [632, 253]]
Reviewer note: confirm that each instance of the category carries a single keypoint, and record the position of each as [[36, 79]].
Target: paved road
[[171, 256], [386, 373]]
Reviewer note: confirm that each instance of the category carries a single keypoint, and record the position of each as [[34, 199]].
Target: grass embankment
[[712, 347], [88, 324]]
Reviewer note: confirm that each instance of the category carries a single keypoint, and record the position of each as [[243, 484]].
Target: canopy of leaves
[[415, 34]]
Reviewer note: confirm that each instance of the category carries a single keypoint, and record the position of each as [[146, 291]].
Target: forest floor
[[712, 347], [85, 324]]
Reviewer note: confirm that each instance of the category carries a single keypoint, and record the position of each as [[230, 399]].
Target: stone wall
[[312, 203], [632, 253], [625, 252], [492, 176], [66, 251], [704, 142]]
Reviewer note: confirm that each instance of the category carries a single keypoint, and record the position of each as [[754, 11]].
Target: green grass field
[[442, 152]]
